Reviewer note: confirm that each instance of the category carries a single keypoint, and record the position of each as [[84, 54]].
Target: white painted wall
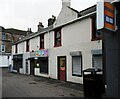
[[37, 72], [35, 43], [66, 15], [46, 40], [79, 32], [65, 51], [21, 48], [25, 46], [26, 56], [10, 60], [51, 39], [76, 33], [13, 49], [75, 37]]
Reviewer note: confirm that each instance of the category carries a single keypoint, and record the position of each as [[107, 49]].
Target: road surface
[[17, 85]]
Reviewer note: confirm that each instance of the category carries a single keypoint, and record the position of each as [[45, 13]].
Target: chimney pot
[[29, 31], [51, 20], [40, 26]]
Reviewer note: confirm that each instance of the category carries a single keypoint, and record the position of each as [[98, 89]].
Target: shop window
[[95, 35], [3, 48], [42, 41], [17, 62], [77, 65], [27, 45], [14, 64], [57, 40], [97, 61]]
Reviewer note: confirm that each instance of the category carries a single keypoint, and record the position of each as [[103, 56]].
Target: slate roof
[[73, 9], [15, 31], [88, 10], [35, 34]]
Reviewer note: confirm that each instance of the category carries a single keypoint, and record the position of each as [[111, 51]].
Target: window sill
[[95, 39], [57, 45], [43, 73], [77, 75], [41, 48]]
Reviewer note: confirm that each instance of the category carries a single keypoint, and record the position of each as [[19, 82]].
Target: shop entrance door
[[62, 68], [43, 61], [32, 65]]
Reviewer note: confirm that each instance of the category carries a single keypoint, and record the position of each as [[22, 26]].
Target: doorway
[[61, 68], [43, 61], [32, 65]]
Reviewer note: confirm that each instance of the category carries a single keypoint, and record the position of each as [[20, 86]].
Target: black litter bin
[[93, 83]]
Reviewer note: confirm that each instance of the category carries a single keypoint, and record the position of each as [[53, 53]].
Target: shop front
[[39, 62], [17, 62]]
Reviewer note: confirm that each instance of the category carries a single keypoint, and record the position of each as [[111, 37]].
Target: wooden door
[[62, 68]]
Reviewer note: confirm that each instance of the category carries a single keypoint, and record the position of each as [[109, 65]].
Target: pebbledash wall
[[76, 35]]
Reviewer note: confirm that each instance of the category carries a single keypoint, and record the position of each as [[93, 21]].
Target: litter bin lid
[[92, 70]]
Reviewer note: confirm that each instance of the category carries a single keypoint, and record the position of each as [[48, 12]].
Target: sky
[[24, 14]]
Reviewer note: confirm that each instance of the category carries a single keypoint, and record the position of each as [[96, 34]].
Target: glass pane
[[42, 38], [58, 41], [58, 34], [42, 45], [62, 62], [76, 65]]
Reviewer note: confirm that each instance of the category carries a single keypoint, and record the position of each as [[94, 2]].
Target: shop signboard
[[106, 18], [39, 53]]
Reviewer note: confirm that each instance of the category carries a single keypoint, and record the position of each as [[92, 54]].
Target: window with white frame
[[77, 65], [3, 48], [97, 61]]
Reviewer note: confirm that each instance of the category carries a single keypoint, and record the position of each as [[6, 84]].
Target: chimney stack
[[66, 3], [51, 20], [29, 31], [40, 26]]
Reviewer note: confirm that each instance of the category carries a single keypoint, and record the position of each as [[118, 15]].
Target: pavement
[[18, 85]]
